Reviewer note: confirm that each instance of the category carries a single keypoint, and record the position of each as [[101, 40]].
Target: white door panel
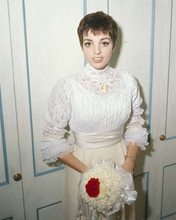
[[164, 107], [11, 197], [40, 61]]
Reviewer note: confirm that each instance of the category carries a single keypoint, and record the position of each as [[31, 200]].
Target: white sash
[[98, 139]]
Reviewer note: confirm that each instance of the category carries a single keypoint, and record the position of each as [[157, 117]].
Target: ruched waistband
[[98, 139]]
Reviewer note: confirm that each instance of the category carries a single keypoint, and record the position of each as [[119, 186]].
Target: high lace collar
[[96, 72], [97, 81]]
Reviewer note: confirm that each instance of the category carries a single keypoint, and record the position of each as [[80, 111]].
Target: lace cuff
[[137, 136], [54, 144], [52, 150]]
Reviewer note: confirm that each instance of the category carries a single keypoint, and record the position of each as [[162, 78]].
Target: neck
[[90, 68]]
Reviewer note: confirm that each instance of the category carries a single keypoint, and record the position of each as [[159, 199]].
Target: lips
[[97, 59]]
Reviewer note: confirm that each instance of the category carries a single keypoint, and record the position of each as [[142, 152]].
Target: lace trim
[[138, 136], [53, 132], [92, 80], [52, 150]]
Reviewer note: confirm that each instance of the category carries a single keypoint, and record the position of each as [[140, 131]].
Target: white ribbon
[[98, 139]]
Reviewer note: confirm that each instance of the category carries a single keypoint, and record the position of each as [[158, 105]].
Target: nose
[[97, 49]]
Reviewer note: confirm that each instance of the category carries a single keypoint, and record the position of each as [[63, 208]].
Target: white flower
[[115, 189], [111, 189]]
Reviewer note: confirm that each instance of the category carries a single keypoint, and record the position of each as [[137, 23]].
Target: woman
[[101, 106]]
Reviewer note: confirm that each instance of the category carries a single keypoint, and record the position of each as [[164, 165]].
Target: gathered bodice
[[78, 100], [93, 111]]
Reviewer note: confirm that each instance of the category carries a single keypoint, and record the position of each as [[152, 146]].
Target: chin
[[99, 66]]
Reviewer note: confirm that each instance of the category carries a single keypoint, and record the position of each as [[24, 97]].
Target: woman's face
[[97, 49]]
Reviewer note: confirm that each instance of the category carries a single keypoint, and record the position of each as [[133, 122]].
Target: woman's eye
[[105, 43], [87, 44]]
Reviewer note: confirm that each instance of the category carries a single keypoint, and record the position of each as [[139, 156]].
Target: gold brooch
[[104, 89]]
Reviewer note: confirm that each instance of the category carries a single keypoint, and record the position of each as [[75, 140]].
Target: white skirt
[[72, 178]]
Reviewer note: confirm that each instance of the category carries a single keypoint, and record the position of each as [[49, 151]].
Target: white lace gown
[[78, 101]]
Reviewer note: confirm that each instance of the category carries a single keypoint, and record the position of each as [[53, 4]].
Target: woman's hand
[[130, 158], [73, 162], [129, 165]]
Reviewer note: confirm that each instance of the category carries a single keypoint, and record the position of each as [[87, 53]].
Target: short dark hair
[[97, 22]]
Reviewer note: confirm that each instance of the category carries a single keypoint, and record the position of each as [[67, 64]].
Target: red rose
[[92, 187]]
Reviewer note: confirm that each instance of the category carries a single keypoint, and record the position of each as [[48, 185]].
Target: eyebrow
[[105, 38]]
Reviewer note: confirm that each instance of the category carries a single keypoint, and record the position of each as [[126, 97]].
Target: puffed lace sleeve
[[54, 144], [135, 132]]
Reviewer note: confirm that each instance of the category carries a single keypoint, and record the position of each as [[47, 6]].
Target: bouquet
[[105, 188]]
